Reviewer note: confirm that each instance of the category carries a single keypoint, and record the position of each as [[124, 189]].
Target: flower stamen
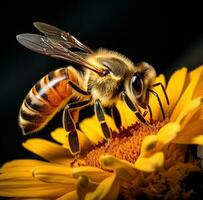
[[125, 144]]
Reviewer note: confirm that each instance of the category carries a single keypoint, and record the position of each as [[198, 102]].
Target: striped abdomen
[[45, 99]]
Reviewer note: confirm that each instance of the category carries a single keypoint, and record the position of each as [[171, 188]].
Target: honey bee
[[105, 77]]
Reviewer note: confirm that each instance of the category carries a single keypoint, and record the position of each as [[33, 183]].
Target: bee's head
[[110, 62], [138, 82]]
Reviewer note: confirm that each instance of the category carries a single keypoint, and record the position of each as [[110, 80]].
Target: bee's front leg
[[100, 116], [132, 107], [150, 114], [69, 124]]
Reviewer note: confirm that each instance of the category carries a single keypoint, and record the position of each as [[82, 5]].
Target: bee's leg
[[76, 157], [69, 124], [132, 107], [100, 116], [150, 114], [160, 104], [163, 88], [145, 113], [77, 88], [116, 116]]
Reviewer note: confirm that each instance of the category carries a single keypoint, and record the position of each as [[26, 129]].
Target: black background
[[164, 34]]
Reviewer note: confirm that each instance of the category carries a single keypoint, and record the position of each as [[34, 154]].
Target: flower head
[[138, 161]]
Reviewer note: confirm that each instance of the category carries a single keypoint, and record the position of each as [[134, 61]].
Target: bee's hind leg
[[69, 124]]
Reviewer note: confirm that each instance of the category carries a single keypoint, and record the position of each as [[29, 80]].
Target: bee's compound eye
[[137, 85]]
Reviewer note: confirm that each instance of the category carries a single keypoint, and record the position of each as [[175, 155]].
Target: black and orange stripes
[[46, 98]]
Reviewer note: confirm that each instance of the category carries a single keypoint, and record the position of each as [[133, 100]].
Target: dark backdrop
[[166, 35]]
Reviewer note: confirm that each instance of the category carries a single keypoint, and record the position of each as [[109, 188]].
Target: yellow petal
[[23, 184], [54, 174], [199, 89], [48, 150], [168, 132], [199, 114], [69, 196], [153, 102], [84, 185], [19, 182], [110, 122], [94, 173], [107, 189], [155, 143], [127, 116], [189, 133], [12, 175], [33, 192], [174, 90], [198, 140], [149, 143], [123, 168], [92, 129], [151, 163], [21, 165], [192, 129], [193, 115], [189, 108], [187, 95], [60, 135]]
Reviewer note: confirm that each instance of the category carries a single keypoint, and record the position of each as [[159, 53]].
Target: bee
[[104, 77]]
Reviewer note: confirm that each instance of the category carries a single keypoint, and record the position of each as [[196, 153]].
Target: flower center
[[124, 144]]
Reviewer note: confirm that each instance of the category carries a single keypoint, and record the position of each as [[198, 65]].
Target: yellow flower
[[139, 160]]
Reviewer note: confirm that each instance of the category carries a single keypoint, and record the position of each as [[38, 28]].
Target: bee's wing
[[56, 33], [56, 48]]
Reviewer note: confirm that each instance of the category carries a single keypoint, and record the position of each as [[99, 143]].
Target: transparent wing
[[56, 33], [55, 48]]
